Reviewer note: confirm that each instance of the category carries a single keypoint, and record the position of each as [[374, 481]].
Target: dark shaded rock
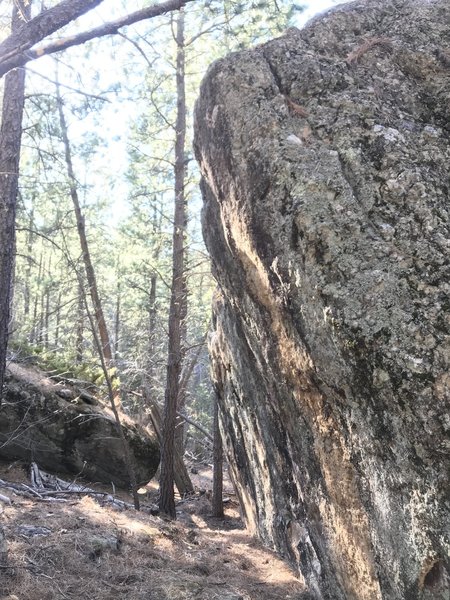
[[325, 159], [66, 434]]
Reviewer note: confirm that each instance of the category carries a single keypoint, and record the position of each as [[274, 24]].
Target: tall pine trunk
[[177, 301], [10, 140]]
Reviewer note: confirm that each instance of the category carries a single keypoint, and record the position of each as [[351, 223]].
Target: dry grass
[[97, 553]]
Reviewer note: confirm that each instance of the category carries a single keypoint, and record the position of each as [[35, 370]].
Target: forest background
[[102, 157]]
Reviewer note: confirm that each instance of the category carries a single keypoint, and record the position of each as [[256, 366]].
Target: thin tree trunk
[[90, 273], [151, 350], [58, 319], [35, 331], [80, 326], [41, 333], [180, 424], [26, 293], [180, 473], [112, 400], [217, 496], [167, 498], [10, 135], [105, 342], [150, 368], [47, 317], [117, 318], [189, 368], [46, 305]]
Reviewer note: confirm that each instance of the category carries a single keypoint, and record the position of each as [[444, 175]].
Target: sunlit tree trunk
[[177, 306], [10, 140]]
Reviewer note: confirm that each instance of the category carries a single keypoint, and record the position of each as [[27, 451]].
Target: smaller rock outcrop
[[66, 432]]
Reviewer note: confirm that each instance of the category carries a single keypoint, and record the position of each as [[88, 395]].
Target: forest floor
[[79, 549]]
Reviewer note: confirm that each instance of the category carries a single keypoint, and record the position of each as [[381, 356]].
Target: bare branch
[[18, 54], [67, 87], [13, 50]]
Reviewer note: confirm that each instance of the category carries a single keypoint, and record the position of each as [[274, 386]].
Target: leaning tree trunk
[[167, 497], [10, 136], [89, 267]]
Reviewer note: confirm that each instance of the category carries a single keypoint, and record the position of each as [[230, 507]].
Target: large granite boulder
[[325, 157], [65, 430]]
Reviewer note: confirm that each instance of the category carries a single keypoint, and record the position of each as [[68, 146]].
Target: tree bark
[[10, 135], [167, 498], [180, 473]]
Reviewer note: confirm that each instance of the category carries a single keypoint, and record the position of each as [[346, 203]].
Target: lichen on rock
[[324, 157]]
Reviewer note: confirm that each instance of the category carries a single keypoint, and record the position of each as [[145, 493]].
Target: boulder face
[[325, 160], [64, 432]]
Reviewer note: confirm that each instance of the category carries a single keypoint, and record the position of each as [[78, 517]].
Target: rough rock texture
[[325, 158], [47, 423]]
